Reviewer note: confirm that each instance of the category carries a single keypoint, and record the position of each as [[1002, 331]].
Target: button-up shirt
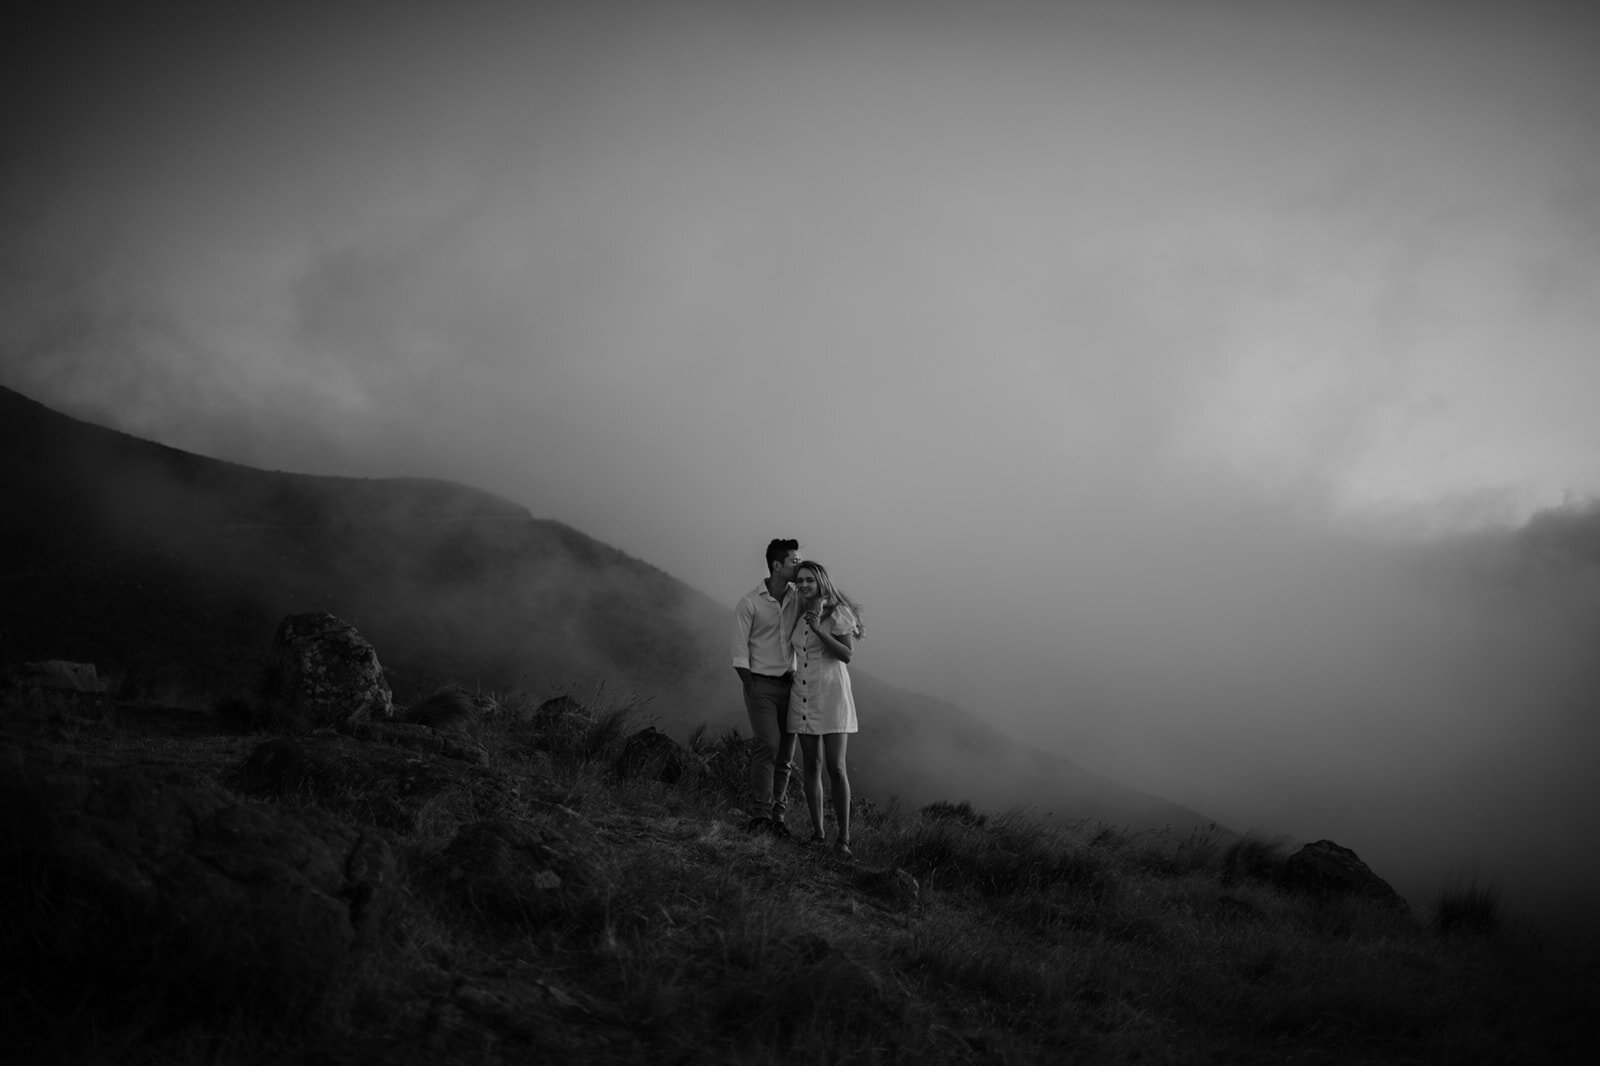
[[761, 632]]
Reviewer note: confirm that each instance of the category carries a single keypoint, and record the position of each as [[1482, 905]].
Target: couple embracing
[[792, 636]]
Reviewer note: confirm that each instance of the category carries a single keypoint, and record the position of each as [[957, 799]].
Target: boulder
[[562, 707], [561, 725], [323, 667], [1326, 869], [652, 754], [896, 888], [139, 897], [54, 675], [451, 709]]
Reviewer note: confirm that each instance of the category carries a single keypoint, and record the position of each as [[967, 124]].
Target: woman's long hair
[[831, 594]]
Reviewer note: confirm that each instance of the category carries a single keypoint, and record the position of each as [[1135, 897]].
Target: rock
[[323, 667], [54, 675], [562, 707], [653, 755], [1326, 869], [562, 726], [136, 897], [451, 709], [896, 887]]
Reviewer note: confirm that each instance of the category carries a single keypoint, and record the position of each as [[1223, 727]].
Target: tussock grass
[[1472, 908], [959, 812], [1013, 852], [724, 761], [1254, 858]]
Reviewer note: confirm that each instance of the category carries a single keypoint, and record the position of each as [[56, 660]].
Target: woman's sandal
[[817, 841], [842, 849]]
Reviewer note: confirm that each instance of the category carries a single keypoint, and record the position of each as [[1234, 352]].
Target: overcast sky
[[1117, 355]]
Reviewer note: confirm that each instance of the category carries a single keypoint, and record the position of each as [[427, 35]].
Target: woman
[[822, 711]]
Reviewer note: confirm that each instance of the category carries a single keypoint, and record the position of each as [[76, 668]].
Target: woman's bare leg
[[812, 781], [834, 745]]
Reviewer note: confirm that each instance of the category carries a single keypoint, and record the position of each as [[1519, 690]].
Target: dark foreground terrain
[[511, 878]]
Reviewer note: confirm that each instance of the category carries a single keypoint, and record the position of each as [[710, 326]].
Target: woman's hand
[[814, 613]]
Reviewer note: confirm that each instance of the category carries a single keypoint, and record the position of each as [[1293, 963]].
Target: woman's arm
[[840, 645]]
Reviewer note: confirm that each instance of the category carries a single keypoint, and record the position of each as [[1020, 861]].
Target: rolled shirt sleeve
[[743, 612]]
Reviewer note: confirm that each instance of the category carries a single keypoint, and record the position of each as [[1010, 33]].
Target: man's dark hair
[[779, 550]]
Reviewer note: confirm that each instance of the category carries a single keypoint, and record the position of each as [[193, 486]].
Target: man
[[764, 660]]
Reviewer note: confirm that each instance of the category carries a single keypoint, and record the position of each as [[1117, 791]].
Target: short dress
[[820, 700]]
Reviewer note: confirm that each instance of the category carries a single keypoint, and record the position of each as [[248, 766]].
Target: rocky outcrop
[[137, 895], [53, 676], [1325, 869], [322, 667]]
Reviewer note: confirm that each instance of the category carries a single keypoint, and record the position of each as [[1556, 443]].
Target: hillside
[[170, 572], [507, 886]]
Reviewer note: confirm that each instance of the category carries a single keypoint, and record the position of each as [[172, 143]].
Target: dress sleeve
[[844, 621]]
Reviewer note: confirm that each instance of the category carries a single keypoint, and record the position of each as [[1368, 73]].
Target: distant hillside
[[173, 570]]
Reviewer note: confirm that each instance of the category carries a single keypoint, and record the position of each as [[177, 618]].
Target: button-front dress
[[820, 700]]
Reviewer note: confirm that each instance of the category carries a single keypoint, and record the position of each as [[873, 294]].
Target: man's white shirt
[[762, 628]]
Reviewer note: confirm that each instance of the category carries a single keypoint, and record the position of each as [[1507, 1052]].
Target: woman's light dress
[[820, 701]]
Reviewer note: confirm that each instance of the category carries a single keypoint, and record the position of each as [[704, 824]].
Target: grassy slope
[[672, 936]]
